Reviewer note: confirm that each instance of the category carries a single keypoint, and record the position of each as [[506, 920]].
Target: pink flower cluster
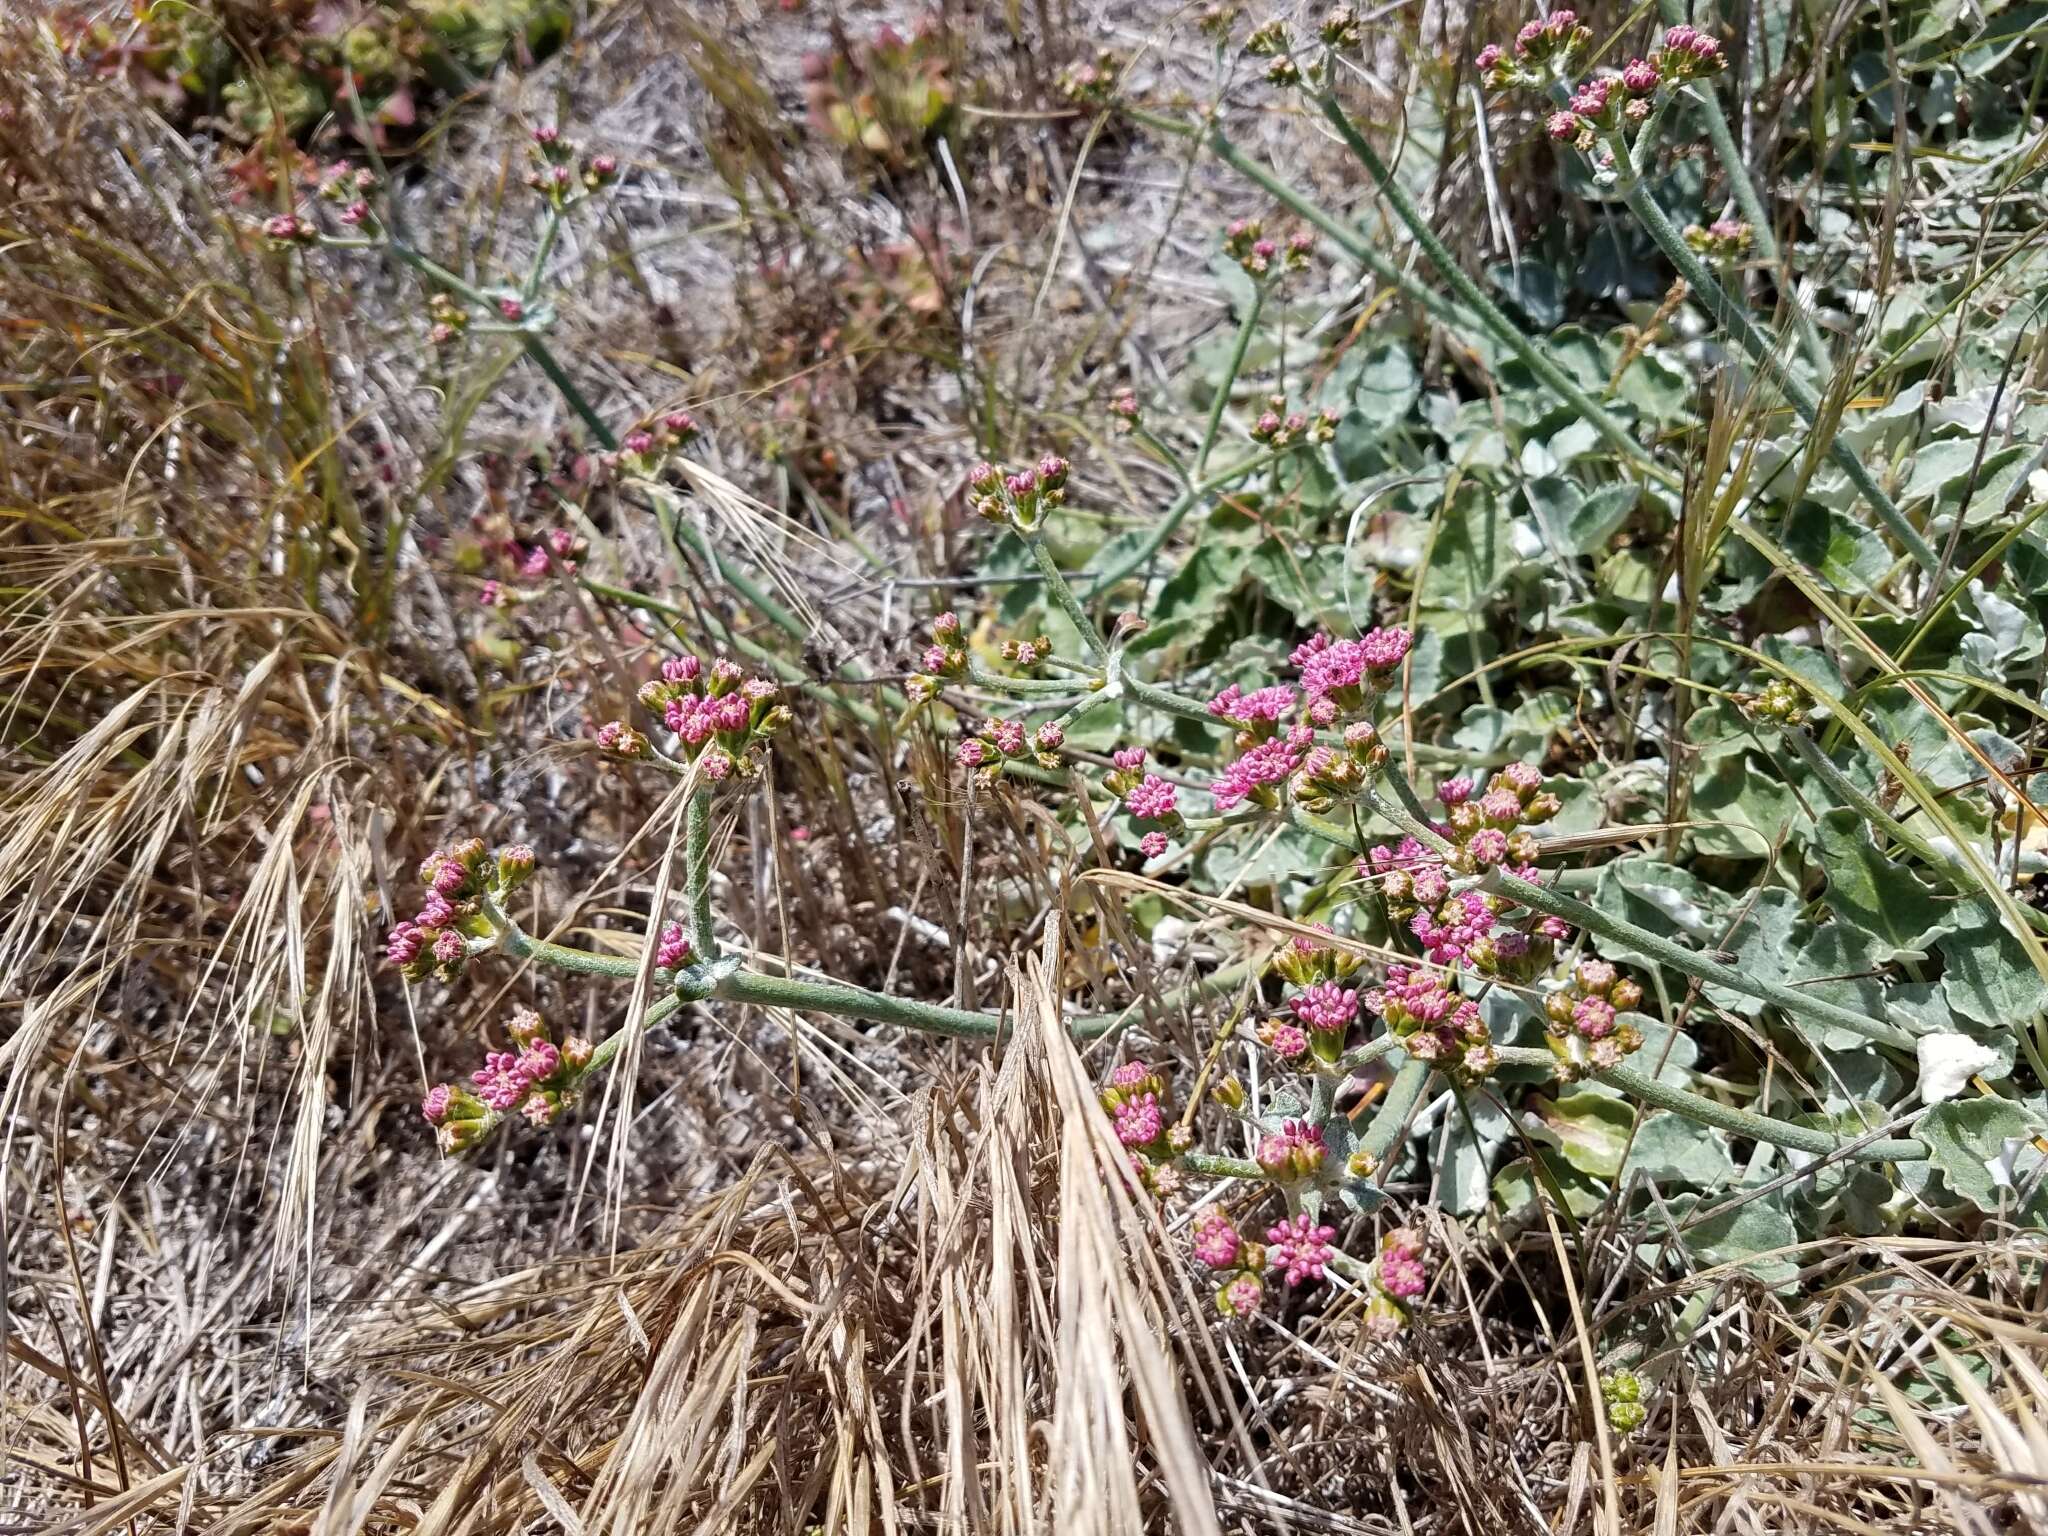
[[671, 948], [1003, 741], [720, 717], [1253, 773], [1398, 1278], [1136, 1101], [457, 879], [1542, 48], [1338, 677], [505, 1078], [1326, 1007], [1020, 500], [1152, 799], [1217, 1243], [1300, 1249], [532, 1079], [1433, 1023], [1293, 1153], [1146, 796], [1583, 1020], [1262, 706]]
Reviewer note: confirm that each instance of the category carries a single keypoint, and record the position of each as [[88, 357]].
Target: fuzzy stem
[[1732, 314], [1228, 382], [1504, 329], [1221, 1167], [697, 875], [1063, 594], [1409, 1085], [1171, 519], [1740, 1122]]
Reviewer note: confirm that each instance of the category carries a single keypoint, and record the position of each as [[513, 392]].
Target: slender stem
[[1063, 594], [1022, 685], [1734, 315], [429, 268], [1741, 1122], [1167, 703], [697, 876], [566, 386], [1409, 1085], [1163, 530], [1228, 382], [551, 230], [580, 962], [1221, 1167], [1762, 229], [1509, 334], [1649, 133]]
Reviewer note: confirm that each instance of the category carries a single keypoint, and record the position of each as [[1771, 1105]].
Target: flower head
[[1217, 1243], [1300, 1249]]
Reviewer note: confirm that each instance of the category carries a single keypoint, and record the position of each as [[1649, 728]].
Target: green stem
[[1027, 686], [551, 230], [433, 270], [1680, 1101], [1163, 530], [697, 876], [1505, 330], [1221, 1167], [1221, 403], [1409, 1085], [566, 386], [1063, 594], [1733, 315], [1762, 230]]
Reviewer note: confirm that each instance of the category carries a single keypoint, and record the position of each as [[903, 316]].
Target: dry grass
[[838, 1281]]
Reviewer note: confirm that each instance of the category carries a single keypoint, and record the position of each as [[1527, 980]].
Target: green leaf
[[1989, 980], [1516, 1186], [1676, 1152], [1967, 1142], [1599, 517], [1844, 554], [1740, 1235], [1474, 549], [1878, 895], [1591, 1128]]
